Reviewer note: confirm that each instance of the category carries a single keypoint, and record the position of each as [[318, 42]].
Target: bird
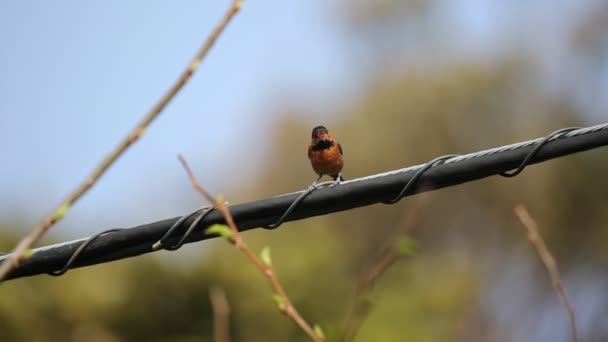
[[325, 155]]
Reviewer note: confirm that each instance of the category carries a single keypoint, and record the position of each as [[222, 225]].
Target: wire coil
[[589, 137], [200, 214]]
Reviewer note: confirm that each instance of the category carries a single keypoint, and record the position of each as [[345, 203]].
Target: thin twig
[[361, 306], [221, 314], [29, 240], [285, 304], [549, 263]]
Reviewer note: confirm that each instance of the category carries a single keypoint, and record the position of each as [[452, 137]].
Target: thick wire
[[534, 151], [158, 245], [297, 201], [412, 182], [495, 150], [409, 186], [200, 214], [79, 251]]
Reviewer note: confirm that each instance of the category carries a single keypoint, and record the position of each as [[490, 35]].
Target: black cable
[[199, 214], [537, 148], [123, 243], [412, 182], [295, 203], [79, 250]]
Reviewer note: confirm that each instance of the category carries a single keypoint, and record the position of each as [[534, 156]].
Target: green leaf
[[406, 246], [221, 230], [278, 300], [319, 331], [265, 256]]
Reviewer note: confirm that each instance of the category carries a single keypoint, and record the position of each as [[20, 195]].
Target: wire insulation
[[378, 188]]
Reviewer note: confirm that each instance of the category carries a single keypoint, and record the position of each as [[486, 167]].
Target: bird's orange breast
[[327, 161]]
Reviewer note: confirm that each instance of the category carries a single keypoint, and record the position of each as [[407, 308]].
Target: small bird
[[325, 154]]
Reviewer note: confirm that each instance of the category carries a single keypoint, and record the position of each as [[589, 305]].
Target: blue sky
[[76, 77]]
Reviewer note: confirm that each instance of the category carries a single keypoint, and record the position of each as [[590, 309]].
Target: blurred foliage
[[469, 239]]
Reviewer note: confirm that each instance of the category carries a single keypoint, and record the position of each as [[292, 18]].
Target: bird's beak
[[323, 138]]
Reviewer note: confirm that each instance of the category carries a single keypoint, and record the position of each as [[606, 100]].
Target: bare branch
[[221, 314], [267, 270], [195, 183], [549, 263], [29, 240], [361, 306]]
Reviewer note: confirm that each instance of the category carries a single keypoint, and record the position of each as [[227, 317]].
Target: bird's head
[[320, 133]]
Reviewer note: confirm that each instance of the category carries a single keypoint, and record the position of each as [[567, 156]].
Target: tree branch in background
[[395, 249], [549, 263], [221, 314], [23, 248], [262, 262]]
